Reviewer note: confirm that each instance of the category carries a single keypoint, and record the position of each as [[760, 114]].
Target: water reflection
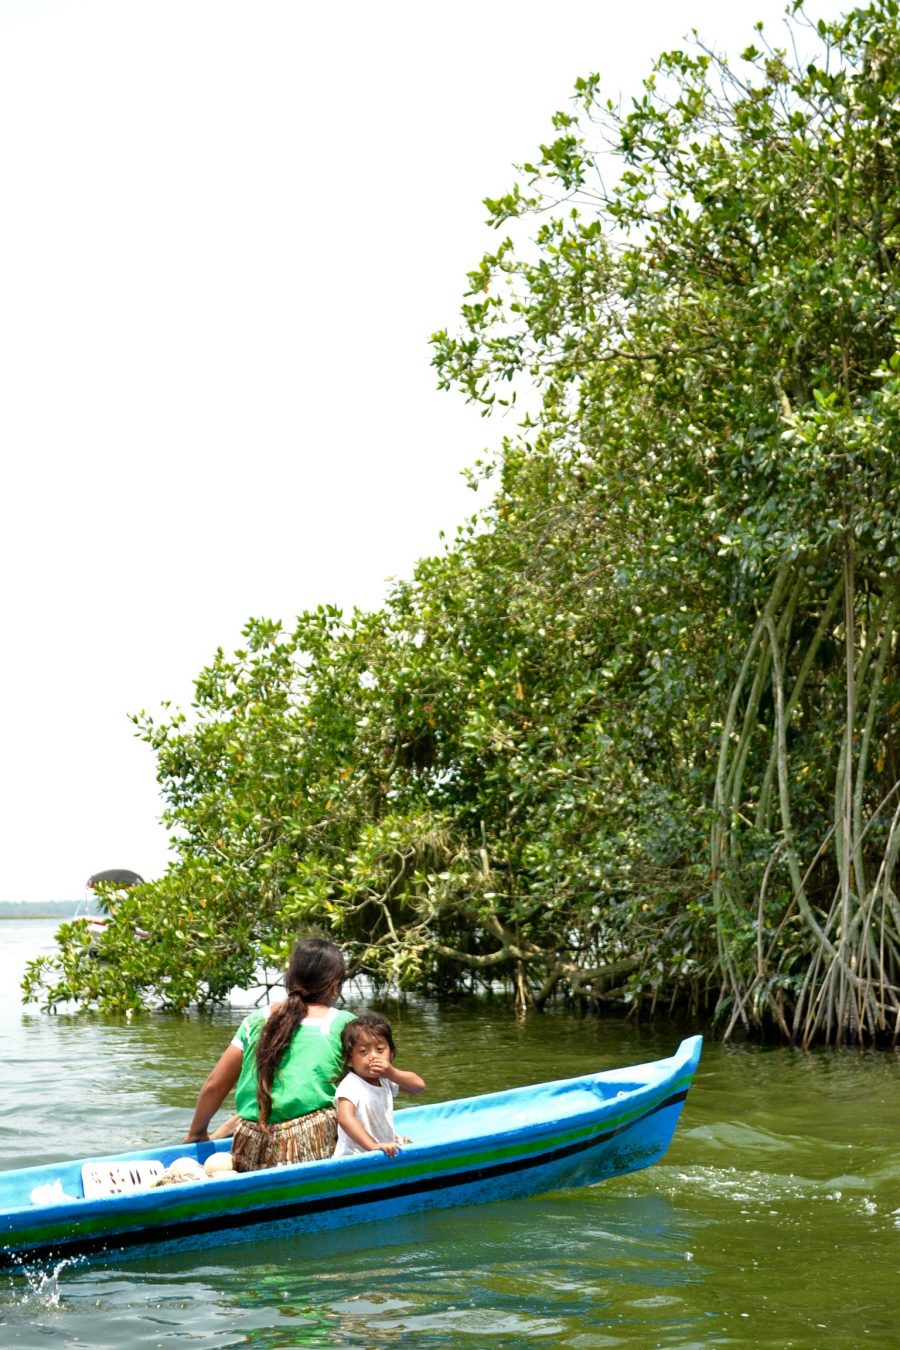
[[555, 1267]]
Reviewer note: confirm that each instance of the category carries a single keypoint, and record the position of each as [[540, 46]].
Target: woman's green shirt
[[307, 1076]]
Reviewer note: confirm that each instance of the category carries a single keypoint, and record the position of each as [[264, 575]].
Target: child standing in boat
[[365, 1095], [283, 1064]]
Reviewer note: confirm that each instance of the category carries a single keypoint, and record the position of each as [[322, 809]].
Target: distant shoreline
[[37, 909]]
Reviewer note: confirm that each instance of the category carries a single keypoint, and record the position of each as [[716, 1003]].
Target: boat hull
[[501, 1146]]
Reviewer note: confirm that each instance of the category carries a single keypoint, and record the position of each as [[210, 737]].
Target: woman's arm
[[213, 1093], [355, 1130]]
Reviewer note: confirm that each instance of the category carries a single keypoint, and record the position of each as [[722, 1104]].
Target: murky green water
[[774, 1220]]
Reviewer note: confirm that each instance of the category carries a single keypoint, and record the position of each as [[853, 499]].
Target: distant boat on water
[[119, 878]]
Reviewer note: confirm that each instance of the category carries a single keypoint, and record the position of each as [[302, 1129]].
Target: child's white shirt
[[374, 1103]]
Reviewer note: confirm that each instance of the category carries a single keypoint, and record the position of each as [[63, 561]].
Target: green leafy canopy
[[630, 737]]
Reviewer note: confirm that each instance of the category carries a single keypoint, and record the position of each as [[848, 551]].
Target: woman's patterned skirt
[[305, 1139]]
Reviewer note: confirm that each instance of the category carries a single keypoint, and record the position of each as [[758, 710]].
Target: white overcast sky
[[227, 229]]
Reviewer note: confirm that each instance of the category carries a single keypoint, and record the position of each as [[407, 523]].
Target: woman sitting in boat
[[284, 1063]]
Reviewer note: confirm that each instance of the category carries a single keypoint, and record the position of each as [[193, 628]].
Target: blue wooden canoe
[[553, 1136]]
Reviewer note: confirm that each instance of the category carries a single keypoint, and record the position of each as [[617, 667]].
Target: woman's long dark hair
[[316, 966]]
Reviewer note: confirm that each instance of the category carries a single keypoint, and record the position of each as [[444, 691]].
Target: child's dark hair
[[316, 967], [370, 1022]]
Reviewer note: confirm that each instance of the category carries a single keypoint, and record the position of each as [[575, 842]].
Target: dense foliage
[[631, 736]]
